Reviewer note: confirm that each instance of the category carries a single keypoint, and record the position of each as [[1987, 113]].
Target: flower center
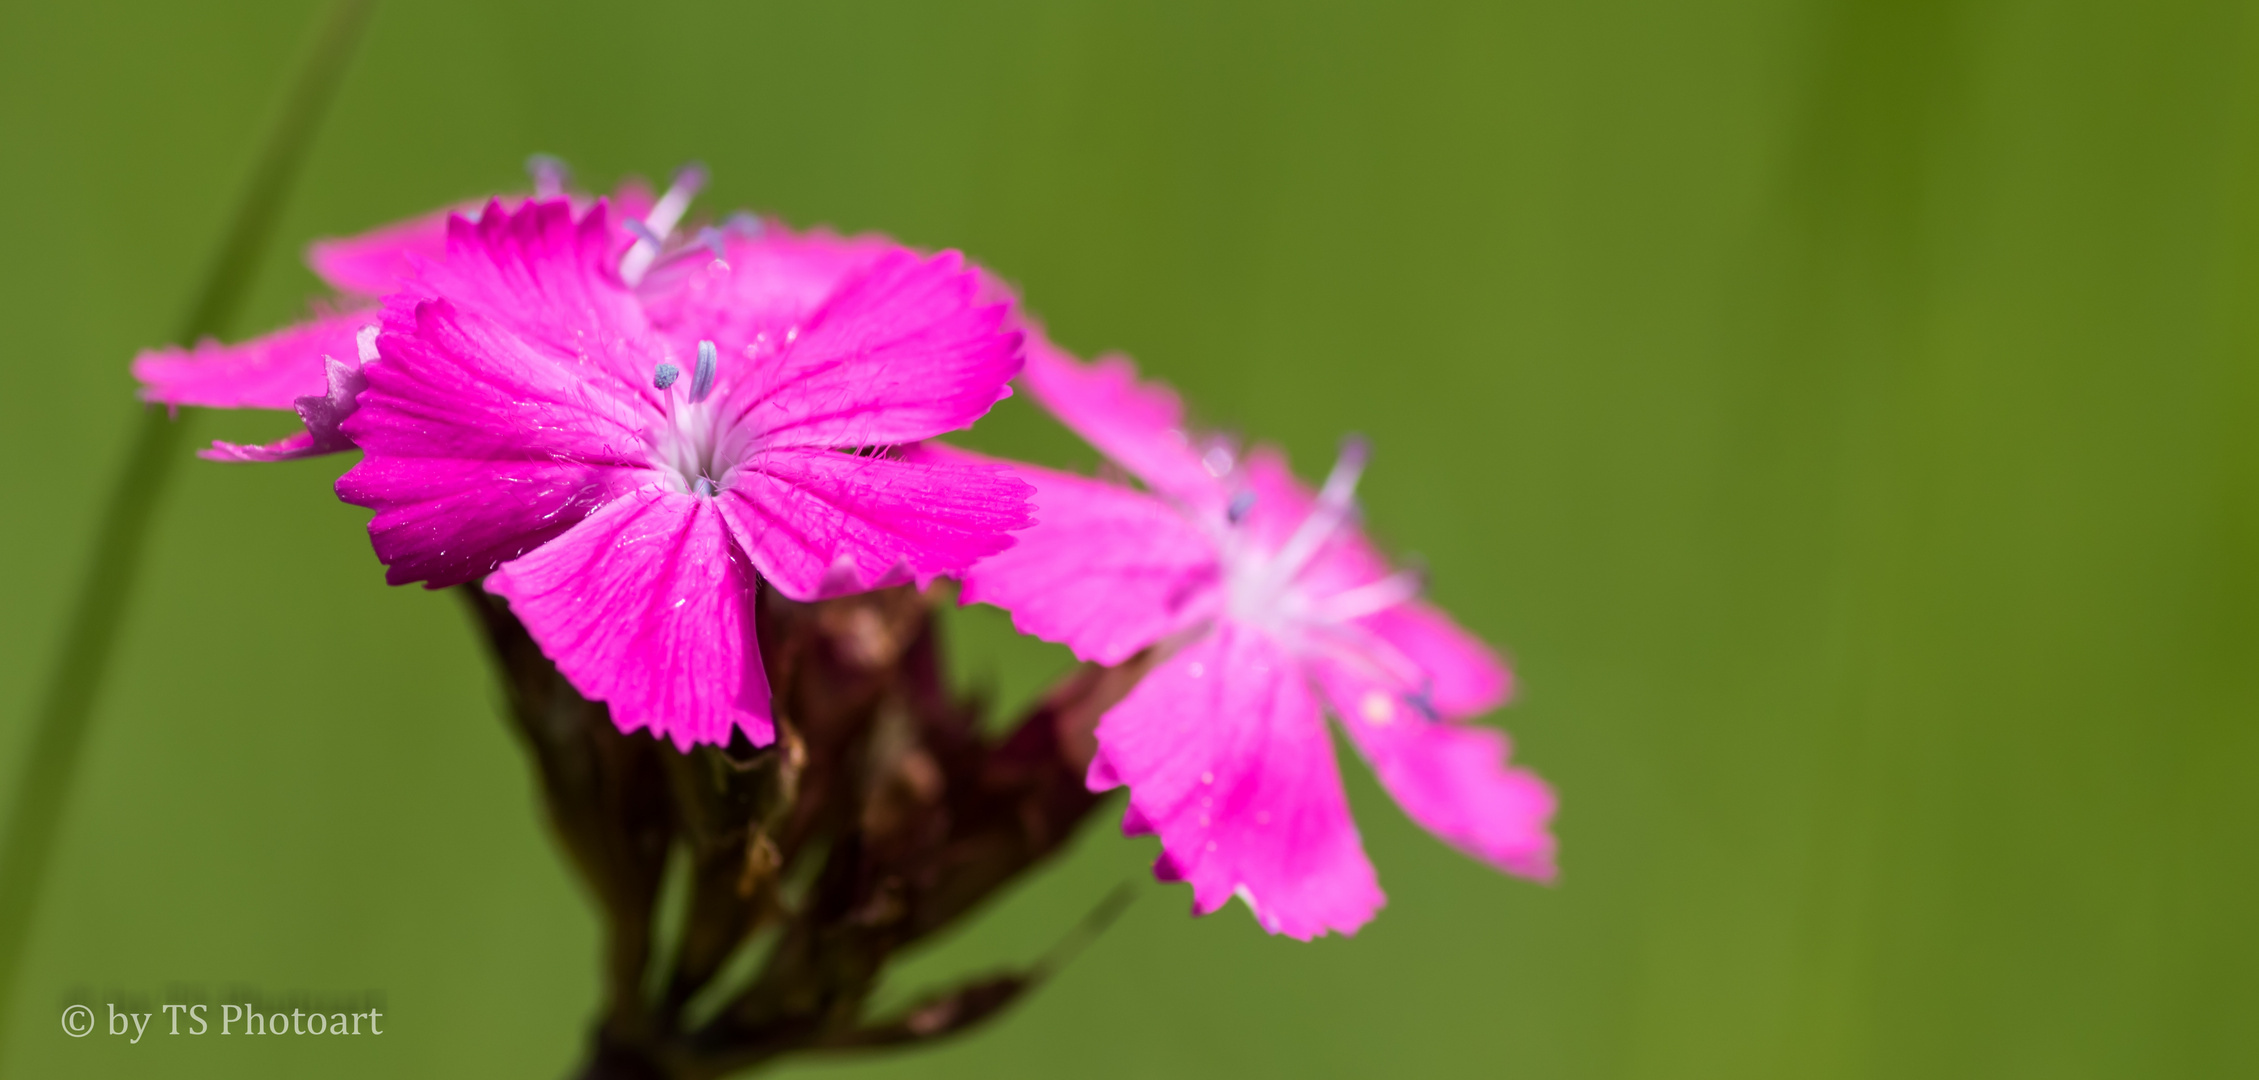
[[696, 448], [1315, 614], [1265, 586]]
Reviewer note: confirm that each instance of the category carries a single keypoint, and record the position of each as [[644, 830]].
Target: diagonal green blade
[[59, 726]]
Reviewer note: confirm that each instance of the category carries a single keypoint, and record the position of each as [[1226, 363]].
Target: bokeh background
[[1843, 411]]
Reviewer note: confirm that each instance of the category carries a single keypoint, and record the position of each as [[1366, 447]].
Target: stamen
[[702, 379], [651, 233], [710, 238], [364, 343], [1333, 506], [550, 175], [1374, 597], [744, 223], [667, 213], [1424, 703], [1368, 656], [705, 488], [708, 242], [1341, 483], [1240, 505], [666, 375]]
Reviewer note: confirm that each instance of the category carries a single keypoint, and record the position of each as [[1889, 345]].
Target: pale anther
[[668, 211], [1421, 704], [1241, 504], [702, 377], [1334, 505], [666, 375], [651, 233], [550, 174]]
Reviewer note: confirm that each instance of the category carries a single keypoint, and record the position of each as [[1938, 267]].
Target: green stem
[[60, 724]]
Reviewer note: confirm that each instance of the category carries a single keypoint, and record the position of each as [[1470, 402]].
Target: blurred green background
[[1843, 412]]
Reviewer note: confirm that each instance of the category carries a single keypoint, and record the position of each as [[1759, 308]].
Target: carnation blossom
[[621, 465], [1262, 601]]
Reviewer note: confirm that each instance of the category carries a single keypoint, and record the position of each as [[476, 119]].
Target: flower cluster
[[626, 429]]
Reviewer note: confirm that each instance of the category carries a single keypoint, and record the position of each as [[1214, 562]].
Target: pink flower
[[1265, 602], [312, 366], [625, 464]]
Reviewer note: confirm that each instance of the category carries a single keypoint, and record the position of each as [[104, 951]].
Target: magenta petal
[[499, 415], [1134, 823], [288, 448], [270, 372], [1464, 677], [477, 447], [1139, 425], [819, 523], [1449, 776], [904, 351], [374, 263], [323, 414], [1227, 757], [770, 283], [549, 280], [444, 522], [633, 199], [648, 607], [1104, 570], [1101, 777]]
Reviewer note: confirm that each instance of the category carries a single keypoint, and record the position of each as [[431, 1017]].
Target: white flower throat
[[1264, 587]]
